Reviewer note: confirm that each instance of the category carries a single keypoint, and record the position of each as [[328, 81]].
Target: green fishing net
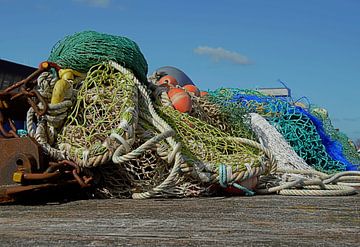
[[204, 142], [106, 103], [83, 50]]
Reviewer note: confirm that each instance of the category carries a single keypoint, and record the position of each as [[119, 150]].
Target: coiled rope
[[323, 185]]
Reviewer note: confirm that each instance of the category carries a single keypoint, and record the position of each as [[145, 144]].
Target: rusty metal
[[9, 194], [10, 97], [29, 95], [4, 132], [19, 154], [55, 170], [59, 175], [40, 176], [24, 170], [24, 167], [83, 181], [28, 82]]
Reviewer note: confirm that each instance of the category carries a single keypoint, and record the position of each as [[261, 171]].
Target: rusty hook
[[83, 182], [35, 93]]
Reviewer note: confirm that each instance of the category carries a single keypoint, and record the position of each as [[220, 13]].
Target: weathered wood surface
[[237, 221]]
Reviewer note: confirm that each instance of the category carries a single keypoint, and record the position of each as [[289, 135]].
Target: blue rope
[[224, 179], [21, 132]]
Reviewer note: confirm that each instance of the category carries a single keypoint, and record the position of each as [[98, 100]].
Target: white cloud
[[219, 53], [95, 3]]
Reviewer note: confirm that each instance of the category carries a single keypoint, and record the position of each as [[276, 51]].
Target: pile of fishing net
[[113, 126], [302, 129], [122, 128]]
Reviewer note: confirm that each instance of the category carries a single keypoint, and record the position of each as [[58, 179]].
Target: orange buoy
[[168, 81], [193, 89], [203, 93], [180, 100]]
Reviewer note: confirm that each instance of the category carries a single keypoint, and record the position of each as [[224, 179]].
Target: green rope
[[83, 50]]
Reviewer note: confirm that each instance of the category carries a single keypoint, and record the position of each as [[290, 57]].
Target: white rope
[[163, 127], [270, 138], [320, 186]]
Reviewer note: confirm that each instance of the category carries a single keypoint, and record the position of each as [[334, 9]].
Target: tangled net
[[139, 146], [106, 104], [209, 144], [296, 126], [205, 149], [286, 157], [339, 140], [83, 50]]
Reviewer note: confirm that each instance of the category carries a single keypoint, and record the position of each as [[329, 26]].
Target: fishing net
[[341, 143], [207, 143], [153, 166], [232, 119], [269, 137], [83, 50], [147, 171], [295, 126], [209, 148], [106, 104], [133, 176], [138, 146]]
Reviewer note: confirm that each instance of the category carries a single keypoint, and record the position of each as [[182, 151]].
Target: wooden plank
[[259, 220]]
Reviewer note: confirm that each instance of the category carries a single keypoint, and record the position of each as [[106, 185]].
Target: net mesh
[[146, 171], [342, 143], [296, 126], [136, 175], [230, 118], [106, 104], [83, 50], [209, 144]]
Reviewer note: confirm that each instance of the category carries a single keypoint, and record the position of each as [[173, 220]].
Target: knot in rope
[[225, 176]]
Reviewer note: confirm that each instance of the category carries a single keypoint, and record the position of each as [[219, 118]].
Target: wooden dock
[[234, 221]]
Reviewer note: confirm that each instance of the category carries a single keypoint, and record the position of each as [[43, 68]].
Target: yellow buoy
[[62, 86]]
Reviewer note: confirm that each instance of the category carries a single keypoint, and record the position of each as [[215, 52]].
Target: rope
[[162, 126], [320, 186], [106, 105], [285, 155], [225, 176], [330, 190], [293, 122], [140, 150]]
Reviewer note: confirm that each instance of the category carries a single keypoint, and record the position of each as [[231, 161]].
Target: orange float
[[180, 100], [168, 81], [203, 93], [193, 89]]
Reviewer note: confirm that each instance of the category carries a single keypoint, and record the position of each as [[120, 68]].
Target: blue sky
[[312, 45]]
